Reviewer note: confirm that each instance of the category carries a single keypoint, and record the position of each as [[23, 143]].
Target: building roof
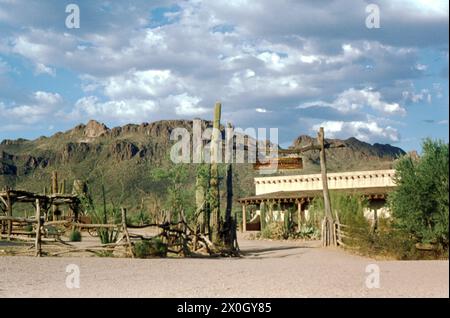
[[307, 195]]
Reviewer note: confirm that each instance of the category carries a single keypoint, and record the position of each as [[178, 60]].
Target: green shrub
[[141, 249], [75, 236], [420, 202], [52, 231], [307, 232], [104, 254], [28, 228], [274, 231], [154, 247]]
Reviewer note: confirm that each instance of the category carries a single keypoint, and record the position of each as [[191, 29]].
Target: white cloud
[[42, 105], [149, 83], [130, 71], [366, 131], [423, 95], [43, 69], [421, 67], [352, 100], [186, 105], [46, 98], [123, 110]]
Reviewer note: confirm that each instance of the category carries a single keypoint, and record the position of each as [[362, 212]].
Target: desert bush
[[307, 232], [140, 218], [274, 231], [75, 236], [420, 202], [104, 253], [148, 248]]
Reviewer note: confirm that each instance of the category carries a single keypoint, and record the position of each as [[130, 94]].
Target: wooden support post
[[9, 212], [375, 220], [329, 223], [38, 229], [62, 188], [125, 230], [54, 191], [299, 214], [244, 218]]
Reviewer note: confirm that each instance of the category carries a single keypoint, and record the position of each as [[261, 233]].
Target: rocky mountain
[[353, 155], [122, 158]]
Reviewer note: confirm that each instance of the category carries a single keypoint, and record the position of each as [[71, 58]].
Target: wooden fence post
[[125, 230], [54, 191], [38, 229], [329, 222], [9, 201]]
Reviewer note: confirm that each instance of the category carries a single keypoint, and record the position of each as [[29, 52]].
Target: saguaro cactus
[[201, 193], [214, 194], [262, 215]]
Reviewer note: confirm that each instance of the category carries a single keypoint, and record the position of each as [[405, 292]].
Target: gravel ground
[[267, 269]]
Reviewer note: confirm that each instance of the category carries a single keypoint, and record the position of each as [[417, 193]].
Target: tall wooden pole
[[328, 235], [244, 217], [214, 197], [9, 207], [228, 219], [125, 231], [299, 215], [54, 191], [38, 229]]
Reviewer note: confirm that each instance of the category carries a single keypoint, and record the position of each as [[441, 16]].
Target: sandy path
[[268, 269]]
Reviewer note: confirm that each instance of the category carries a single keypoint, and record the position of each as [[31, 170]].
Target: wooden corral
[[41, 202]]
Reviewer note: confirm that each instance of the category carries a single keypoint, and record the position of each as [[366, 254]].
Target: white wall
[[342, 180]]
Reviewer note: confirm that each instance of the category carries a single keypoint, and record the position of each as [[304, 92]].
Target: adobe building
[[281, 193]]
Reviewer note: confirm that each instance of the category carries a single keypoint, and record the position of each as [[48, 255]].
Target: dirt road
[[267, 269]]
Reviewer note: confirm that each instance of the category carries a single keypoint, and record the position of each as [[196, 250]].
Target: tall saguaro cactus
[[214, 194], [201, 194], [262, 215]]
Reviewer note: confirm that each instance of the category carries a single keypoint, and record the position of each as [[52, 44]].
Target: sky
[[286, 64]]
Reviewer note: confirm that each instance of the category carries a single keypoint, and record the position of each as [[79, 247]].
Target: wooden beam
[[125, 230], [299, 213], [328, 234], [244, 218], [9, 212], [38, 229]]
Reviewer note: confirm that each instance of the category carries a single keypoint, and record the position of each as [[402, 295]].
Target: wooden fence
[[40, 226], [341, 233]]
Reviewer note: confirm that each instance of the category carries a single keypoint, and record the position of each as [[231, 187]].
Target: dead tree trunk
[[328, 234]]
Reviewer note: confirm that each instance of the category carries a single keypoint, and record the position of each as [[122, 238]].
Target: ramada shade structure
[[308, 195]]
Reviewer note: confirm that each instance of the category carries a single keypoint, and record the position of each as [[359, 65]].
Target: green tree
[[419, 203], [173, 180]]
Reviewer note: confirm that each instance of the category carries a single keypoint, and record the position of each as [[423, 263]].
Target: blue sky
[[294, 65]]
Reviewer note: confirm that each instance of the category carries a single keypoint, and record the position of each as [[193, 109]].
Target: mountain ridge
[[122, 157]]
